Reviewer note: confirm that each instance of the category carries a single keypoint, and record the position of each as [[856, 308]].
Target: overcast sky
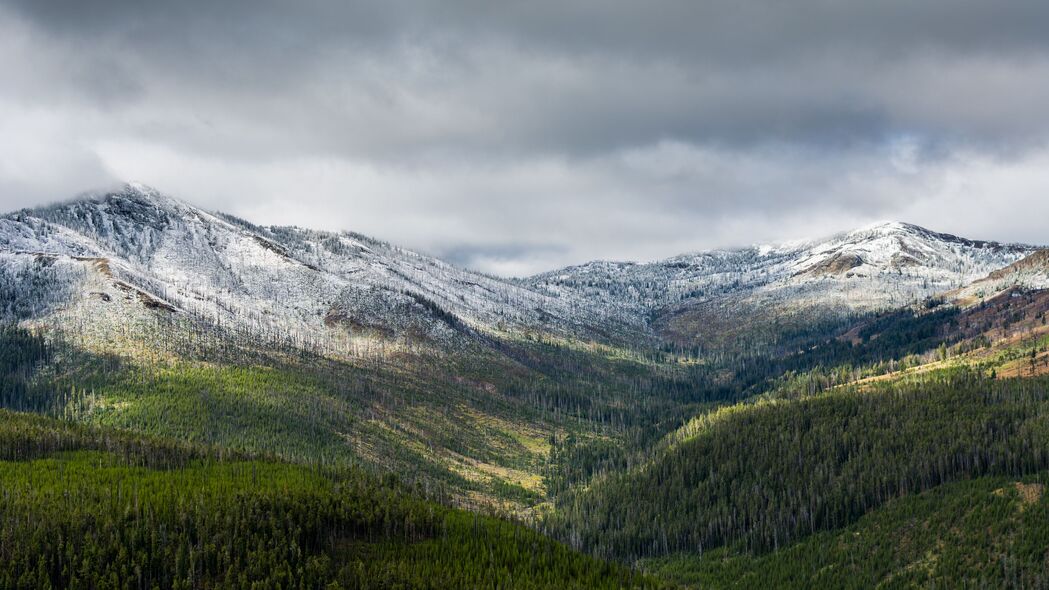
[[518, 138]]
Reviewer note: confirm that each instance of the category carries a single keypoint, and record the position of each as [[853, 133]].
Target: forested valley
[[698, 470], [286, 423]]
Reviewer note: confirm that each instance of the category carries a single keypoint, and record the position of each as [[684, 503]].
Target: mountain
[[717, 418], [926, 457], [710, 296], [316, 347], [331, 290], [1028, 273], [337, 291]]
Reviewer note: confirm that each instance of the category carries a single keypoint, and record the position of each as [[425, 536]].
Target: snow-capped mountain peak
[[880, 266], [131, 196], [888, 228], [147, 249], [319, 285], [897, 247]]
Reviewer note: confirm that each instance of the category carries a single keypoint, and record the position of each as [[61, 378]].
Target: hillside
[[712, 298], [344, 294], [708, 416], [103, 508], [987, 532], [334, 291], [163, 318], [768, 474], [1030, 273], [898, 426]]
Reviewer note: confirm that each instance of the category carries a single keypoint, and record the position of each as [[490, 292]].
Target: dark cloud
[[477, 129]]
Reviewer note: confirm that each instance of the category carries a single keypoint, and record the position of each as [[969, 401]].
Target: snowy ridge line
[[294, 279], [336, 285]]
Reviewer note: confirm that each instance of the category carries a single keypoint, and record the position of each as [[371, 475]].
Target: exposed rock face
[[836, 265]]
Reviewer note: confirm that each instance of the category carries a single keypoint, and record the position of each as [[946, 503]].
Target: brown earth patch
[[146, 299], [100, 265], [1026, 367], [1028, 493], [1037, 261], [835, 265]]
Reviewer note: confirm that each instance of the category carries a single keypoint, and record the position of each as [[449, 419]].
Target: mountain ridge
[[344, 286], [634, 411], [311, 280]]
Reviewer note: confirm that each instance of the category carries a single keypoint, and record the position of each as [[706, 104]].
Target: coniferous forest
[[544, 295], [654, 468], [261, 431]]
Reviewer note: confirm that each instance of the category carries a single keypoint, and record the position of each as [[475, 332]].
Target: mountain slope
[[761, 476], [721, 295], [583, 400], [1028, 273], [340, 292], [986, 532], [323, 288], [317, 347], [102, 508]]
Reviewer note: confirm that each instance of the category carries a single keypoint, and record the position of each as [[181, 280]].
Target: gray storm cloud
[[518, 138]]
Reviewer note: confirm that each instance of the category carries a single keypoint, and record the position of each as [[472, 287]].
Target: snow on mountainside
[[883, 266], [312, 285], [1029, 273], [128, 255]]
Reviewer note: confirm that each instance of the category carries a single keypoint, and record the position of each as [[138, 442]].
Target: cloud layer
[[517, 139]]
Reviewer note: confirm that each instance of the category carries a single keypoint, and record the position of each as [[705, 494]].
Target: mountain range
[[290, 404], [121, 254]]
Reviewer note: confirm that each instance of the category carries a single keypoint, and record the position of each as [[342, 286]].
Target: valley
[[775, 416]]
